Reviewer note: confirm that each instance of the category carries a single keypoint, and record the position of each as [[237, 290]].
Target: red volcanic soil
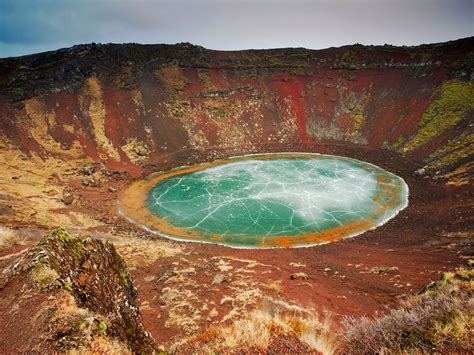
[[77, 125], [421, 242]]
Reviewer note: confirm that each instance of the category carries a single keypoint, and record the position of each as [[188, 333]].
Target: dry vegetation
[[440, 318], [272, 328], [10, 238]]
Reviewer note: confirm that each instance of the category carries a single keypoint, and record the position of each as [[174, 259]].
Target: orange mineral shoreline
[[133, 205]]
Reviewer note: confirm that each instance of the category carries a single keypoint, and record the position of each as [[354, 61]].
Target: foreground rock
[[299, 275], [70, 294]]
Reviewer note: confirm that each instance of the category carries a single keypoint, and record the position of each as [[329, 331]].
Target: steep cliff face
[[134, 106]]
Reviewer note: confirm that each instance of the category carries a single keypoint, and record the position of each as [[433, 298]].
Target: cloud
[[27, 26]]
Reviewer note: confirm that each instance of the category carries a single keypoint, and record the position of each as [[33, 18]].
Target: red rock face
[[133, 106]]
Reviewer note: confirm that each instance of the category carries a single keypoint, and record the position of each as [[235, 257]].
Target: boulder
[[67, 199]]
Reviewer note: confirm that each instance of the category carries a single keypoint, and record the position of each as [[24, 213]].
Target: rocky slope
[[65, 294], [133, 105]]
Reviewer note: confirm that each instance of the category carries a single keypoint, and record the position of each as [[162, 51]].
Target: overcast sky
[[29, 26]]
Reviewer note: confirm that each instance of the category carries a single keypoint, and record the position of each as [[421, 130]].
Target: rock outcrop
[[68, 293]]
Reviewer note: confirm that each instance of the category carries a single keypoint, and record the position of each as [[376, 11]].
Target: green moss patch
[[454, 100], [173, 80], [459, 148]]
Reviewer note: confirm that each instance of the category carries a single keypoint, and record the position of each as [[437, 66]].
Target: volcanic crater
[[81, 125]]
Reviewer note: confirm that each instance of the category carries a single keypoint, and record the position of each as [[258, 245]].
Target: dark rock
[[6, 210], [93, 182], [299, 276], [115, 173], [167, 275], [383, 270], [67, 199], [88, 170]]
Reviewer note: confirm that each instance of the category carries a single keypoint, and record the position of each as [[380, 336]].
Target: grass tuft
[[257, 330]]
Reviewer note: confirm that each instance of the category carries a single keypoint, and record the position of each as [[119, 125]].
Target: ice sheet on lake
[[271, 197]]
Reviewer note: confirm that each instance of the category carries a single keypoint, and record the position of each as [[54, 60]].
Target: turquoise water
[[246, 200]]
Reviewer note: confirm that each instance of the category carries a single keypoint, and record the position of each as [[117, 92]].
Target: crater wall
[[135, 107]]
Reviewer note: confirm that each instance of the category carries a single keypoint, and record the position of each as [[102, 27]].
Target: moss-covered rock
[[96, 278]]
